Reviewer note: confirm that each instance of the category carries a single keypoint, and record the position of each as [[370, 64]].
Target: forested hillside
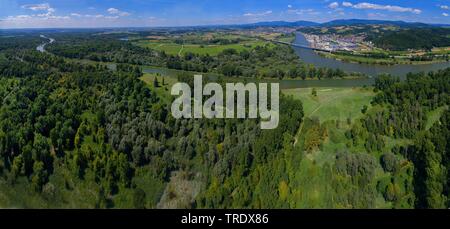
[[423, 38], [78, 134], [69, 128], [409, 103]]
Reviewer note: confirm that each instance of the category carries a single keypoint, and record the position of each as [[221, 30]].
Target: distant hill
[[285, 23], [374, 22], [342, 22]]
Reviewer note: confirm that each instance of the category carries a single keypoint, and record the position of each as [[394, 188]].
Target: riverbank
[[288, 83], [359, 59], [400, 70]]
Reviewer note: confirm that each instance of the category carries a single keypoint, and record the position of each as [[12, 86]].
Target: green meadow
[[164, 86], [434, 116], [333, 103], [178, 49]]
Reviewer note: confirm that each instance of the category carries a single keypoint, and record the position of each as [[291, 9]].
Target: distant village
[[333, 42]]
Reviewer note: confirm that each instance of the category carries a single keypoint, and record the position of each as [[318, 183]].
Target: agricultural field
[[178, 49], [208, 43], [333, 103]]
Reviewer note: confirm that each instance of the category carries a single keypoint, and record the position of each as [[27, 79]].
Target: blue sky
[[116, 13]]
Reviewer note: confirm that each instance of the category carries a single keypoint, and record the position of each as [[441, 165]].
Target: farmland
[[180, 49], [202, 44]]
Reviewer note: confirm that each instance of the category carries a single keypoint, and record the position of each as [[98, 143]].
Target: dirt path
[[179, 52], [298, 133]]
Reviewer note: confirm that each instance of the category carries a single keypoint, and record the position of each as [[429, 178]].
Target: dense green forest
[[417, 38], [86, 125], [76, 134]]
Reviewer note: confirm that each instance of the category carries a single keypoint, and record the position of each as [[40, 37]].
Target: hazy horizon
[[172, 13]]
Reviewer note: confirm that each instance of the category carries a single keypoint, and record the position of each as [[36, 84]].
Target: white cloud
[[258, 14], [113, 11], [366, 5], [42, 7], [94, 16], [301, 11], [18, 17], [29, 19], [333, 5], [289, 6], [37, 7], [118, 12], [347, 4], [445, 14], [44, 16], [48, 14], [58, 17], [444, 7]]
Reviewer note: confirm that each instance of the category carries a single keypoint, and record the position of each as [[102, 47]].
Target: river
[[41, 47], [311, 57]]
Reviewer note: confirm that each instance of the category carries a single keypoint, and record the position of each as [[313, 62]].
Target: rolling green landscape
[[85, 122]]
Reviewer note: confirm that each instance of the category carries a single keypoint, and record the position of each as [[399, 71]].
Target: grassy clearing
[[333, 103], [178, 49], [434, 116], [169, 48], [315, 189], [163, 90], [314, 175], [286, 38]]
